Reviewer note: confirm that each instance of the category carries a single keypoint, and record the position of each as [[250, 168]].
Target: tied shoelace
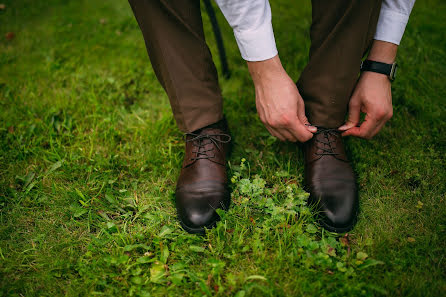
[[198, 141], [327, 147]]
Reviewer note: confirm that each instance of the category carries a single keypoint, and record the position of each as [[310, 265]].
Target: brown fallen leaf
[[10, 35], [2, 6], [11, 129], [346, 242], [208, 282]]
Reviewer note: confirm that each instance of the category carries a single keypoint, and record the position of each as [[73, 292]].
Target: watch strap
[[374, 66], [380, 67]]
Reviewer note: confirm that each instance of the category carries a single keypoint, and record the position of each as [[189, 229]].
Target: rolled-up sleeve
[[253, 30], [393, 19]]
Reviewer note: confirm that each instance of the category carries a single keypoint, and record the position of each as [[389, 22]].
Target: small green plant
[[282, 209]]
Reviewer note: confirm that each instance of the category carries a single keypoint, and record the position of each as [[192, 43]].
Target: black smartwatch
[[379, 67]]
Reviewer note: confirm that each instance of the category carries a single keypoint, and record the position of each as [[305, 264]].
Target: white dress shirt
[[253, 30]]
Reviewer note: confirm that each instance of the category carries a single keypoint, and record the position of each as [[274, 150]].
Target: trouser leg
[[174, 37], [341, 32]]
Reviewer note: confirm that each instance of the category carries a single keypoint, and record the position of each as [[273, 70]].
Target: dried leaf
[[10, 35], [344, 240]]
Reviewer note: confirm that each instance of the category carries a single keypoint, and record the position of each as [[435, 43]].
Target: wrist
[[263, 69], [389, 70], [368, 75]]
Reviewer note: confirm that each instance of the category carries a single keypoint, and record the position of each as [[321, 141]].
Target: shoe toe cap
[[196, 205], [337, 204], [198, 219]]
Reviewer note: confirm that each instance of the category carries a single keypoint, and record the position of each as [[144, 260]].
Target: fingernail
[[343, 127], [312, 129]]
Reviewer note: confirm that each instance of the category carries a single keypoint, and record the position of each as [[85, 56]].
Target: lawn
[[90, 153]]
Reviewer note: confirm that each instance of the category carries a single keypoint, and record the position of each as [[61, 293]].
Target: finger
[[303, 118], [300, 131], [274, 133], [271, 130], [354, 113], [289, 136], [380, 125], [311, 128], [376, 123], [261, 113], [365, 130], [383, 120]]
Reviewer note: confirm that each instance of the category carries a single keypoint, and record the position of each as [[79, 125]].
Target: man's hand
[[372, 95], [278, 102]]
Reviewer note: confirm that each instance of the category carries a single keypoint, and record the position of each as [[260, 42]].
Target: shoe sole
[[200, 231], [339, 229], [336, 229]]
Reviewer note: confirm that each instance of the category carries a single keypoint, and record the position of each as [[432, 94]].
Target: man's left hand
[[372, 96]]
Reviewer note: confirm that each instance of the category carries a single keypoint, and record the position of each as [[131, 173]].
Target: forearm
[[383, 51]]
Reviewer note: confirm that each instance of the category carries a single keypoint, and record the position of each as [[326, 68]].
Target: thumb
[[354, 112]]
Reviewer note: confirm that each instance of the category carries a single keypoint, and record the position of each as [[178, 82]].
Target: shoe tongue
[[220, 126], [209, 130], [322, 130], [331, 134]]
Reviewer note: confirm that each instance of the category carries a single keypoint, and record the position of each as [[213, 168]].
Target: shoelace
[[327, 148], [198, 142]]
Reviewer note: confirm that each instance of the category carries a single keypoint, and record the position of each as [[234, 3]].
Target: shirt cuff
[[258, 44], [391, 26]]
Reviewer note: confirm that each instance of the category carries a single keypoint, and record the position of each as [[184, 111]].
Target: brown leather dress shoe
[[203, 185], [330, 180]]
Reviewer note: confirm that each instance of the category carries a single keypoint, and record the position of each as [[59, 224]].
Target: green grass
[[89, 155]]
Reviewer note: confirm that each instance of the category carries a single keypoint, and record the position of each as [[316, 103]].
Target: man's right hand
[[278, 102]]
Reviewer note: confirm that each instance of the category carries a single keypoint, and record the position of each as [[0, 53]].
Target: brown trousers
[[341, 33]]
